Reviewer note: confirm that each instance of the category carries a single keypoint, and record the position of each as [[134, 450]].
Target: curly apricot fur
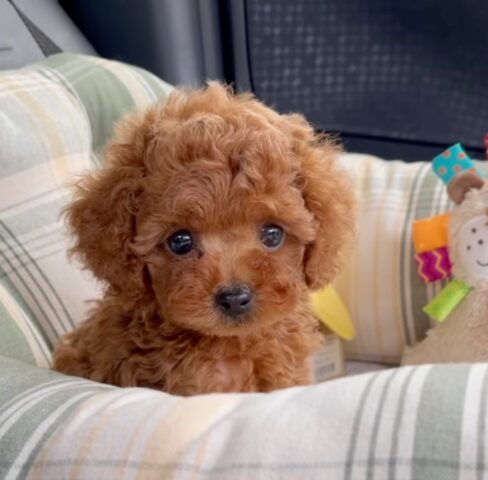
[[219, 165]]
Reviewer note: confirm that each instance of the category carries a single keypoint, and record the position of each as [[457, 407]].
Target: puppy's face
[[221, 209], [225, 250]]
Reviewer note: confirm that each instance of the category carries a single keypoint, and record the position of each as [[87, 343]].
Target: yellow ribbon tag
[[329, 308]]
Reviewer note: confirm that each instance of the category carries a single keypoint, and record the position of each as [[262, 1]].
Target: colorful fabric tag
[[447, 300], [430, 233], [434, 265], [452, 161]]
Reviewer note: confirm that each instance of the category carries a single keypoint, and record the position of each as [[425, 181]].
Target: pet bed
[[417, 423]]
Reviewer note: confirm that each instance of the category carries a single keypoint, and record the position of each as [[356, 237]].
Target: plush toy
[[461, 309]]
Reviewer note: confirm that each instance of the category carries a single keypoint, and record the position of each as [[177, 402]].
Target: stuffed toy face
[[473, 246], [468, 229]]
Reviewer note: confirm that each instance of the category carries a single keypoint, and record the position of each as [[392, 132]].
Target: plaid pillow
[[54, 116]]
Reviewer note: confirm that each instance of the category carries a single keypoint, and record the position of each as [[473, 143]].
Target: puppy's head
[[223, 210]]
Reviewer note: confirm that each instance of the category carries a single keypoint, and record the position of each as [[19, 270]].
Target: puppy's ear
[[462, 183], [330, 196], [102, 216]]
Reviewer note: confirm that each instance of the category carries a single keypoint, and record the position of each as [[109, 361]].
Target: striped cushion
[[411, 423], [20, 337], [105, 90], [54, 117], [380, 284]]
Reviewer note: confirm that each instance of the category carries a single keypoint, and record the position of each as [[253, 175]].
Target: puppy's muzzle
[[234, 300]]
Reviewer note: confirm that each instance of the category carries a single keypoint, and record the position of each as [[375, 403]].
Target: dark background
[[400, 79]]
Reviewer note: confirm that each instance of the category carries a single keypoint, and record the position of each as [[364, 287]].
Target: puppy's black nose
[[234, 300]]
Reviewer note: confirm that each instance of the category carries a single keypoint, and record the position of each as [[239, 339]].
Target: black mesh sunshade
[[414, 70]]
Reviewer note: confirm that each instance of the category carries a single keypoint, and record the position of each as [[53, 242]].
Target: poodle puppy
[[211, 221]]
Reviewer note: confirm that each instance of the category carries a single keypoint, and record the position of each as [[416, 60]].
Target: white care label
[[328, 361]]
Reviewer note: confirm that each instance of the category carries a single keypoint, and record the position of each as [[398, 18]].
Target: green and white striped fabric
[[380, 283], [105, 90], [54, 118], [411, 423]]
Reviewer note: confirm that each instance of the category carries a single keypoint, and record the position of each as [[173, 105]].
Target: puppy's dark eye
[[180, 242], [271, 235]]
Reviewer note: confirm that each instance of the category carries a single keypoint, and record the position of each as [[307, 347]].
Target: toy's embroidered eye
[[180, 242], [473, 230], [271, 235], [480, 242], [468, 247]]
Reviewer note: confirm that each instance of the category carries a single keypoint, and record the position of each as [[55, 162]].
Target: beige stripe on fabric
[[57, 173], [397, 312], [12, 82], [90, 407], [178, 430], [385, 268], [365, 285], [380, 259], [38, 112], [134, 441], [347, 283], [117, 400]]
